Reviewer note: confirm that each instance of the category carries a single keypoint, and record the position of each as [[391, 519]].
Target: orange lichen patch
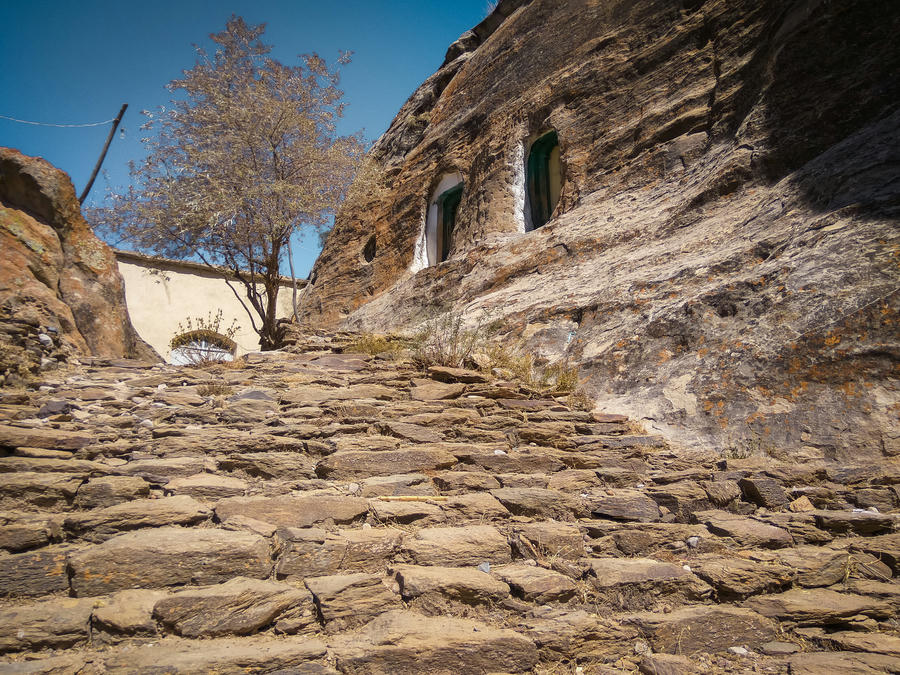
[[663, 356], [832, 339], [755, 417], [849, 389], [703, 351]]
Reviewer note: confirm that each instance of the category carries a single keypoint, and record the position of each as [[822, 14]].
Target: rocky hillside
[[723, 259], [323, 511], [60, 290]]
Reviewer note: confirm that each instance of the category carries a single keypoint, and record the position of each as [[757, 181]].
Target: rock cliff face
[[723, 258], [60, 289]]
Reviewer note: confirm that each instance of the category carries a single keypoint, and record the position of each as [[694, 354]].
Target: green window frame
[[448, 203], [543, 179]]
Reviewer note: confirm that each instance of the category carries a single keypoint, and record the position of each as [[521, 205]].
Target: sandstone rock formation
[[108, 566], [722, 261], [60, 289]]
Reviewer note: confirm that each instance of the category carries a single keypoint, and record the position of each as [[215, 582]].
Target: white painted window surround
[[425, 253]]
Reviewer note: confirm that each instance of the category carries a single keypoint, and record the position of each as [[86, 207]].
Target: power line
[[63, 126]]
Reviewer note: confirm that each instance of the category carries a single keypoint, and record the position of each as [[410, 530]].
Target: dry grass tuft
[[371, 344], [214, 389]]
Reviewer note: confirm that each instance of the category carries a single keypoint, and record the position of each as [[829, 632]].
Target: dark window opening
[[543, 175], [369, 249], [448, 203]]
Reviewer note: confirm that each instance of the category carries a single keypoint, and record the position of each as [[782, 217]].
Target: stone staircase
[[319, 511]]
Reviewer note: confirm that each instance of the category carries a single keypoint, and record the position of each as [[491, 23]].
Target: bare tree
[[245, 156]]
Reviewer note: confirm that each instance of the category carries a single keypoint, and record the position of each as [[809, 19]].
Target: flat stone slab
[[291, 511], [105, 491], [538, 503], [44, 490], [649, 577], [35, 572], [845, 663], [402, 641], [854, 641], [429, 390], [624, 505], [101, 524], [362, 464], [222, 655], [703, 629], [348, 600], [547, 540], [128, 613], [463, 584], [238, 607], [312, 552], [447, 374], [865, 523], [421, 513], [161, 471], [458, 546], [410, 432], [168, 556], [738, 578], [313, 394], [54, 439], [537, 584], [207, 486], [745, 531], [25, 530], [51, 624], [818, 606]]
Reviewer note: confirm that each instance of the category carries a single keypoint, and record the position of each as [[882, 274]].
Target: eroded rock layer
[[723, 259], [324, 511], [60, 289]]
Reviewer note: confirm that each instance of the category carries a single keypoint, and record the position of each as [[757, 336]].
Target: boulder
[[56, 274]]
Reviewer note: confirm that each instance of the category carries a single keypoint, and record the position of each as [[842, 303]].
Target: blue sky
[[70, 62]]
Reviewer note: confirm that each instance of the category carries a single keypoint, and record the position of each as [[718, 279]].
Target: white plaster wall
[[159, 299]]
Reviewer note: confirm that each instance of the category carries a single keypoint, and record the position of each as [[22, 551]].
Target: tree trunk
[[268, 336], [293, 281]]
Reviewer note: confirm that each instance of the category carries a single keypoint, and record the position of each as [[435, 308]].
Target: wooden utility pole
[[90, 183]]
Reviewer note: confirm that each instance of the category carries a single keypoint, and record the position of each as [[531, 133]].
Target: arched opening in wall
[[368, 251], [440, 219], [543, 180], [201, 346]]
